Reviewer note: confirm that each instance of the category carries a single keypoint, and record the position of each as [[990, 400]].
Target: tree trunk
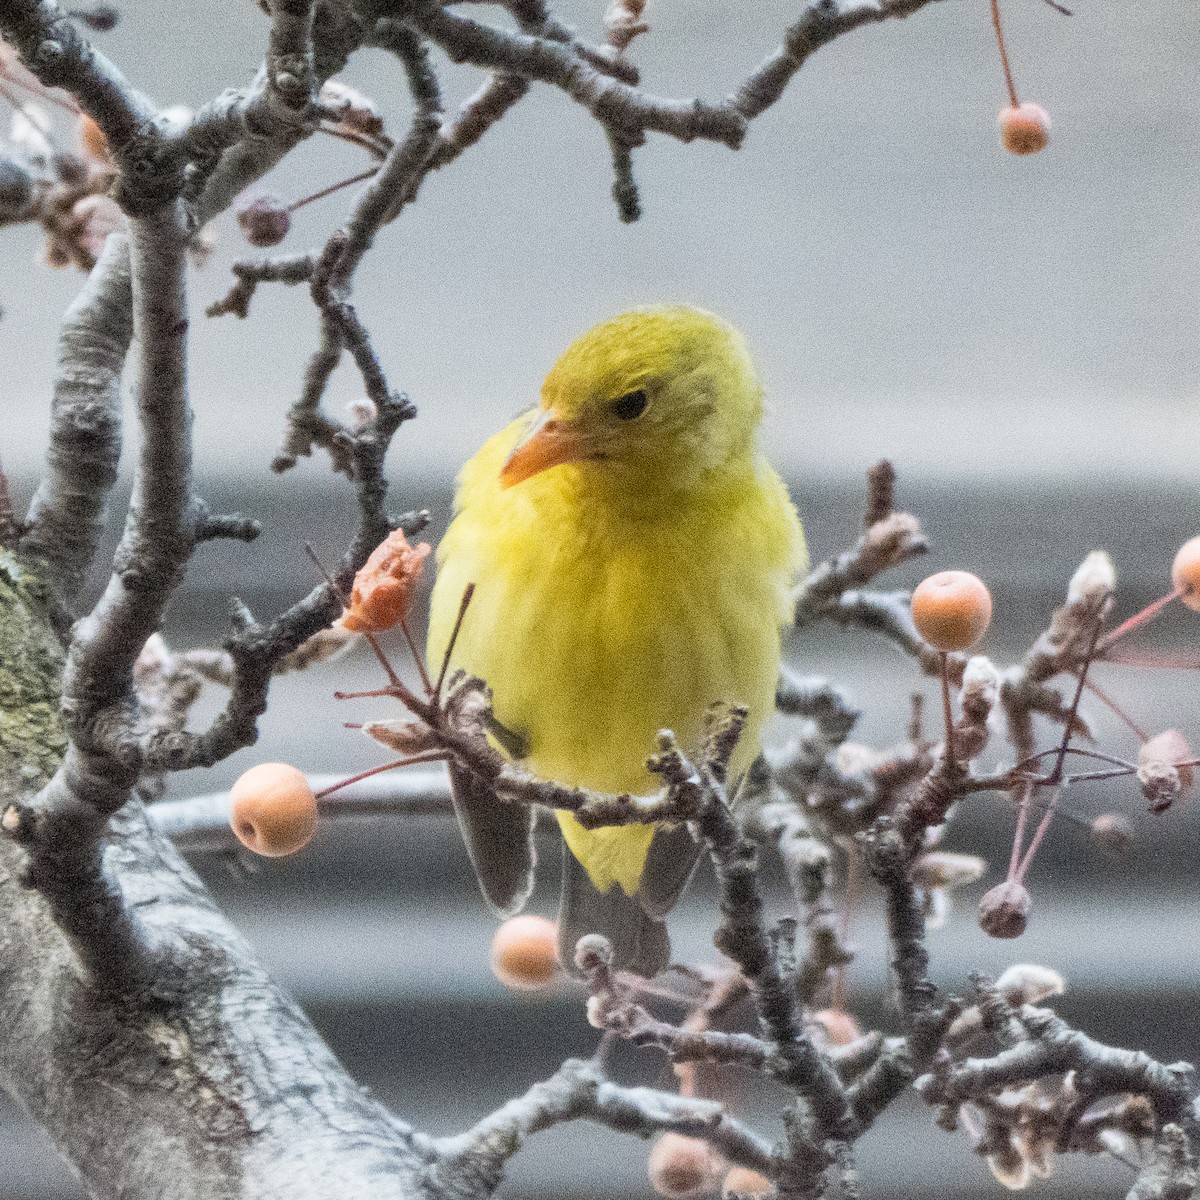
[[207, 1083]]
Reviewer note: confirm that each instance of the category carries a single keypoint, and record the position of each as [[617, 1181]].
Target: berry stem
[[357, 139], [1092, 776], [1036, 758], [947, 711], [1008, 79], [1038, 834], [1139, 619], [418, 657], [393, 678], [1113, 706], [333, 187], [411, 760], [468, 592], [40, 92], [1072, 712], [1019, 834], [1178, 662]]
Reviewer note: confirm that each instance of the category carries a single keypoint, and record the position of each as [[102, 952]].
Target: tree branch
[[66, 518], [578, 1091], [52, 47]]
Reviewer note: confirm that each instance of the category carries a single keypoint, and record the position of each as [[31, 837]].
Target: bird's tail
[[639, 941], [499, 838], [670, 864]]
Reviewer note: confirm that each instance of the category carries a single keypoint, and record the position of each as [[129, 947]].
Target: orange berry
[[274, 811], [952, 609], [1185, 573], [680, 1166], [1024, 129], [524, 952], [744, 1184]]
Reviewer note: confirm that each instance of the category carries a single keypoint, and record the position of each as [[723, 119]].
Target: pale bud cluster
[[350, 109], [1094, 581], [623, 22], [1030, 983], [1162, 781], [979, 696], [946, 869]]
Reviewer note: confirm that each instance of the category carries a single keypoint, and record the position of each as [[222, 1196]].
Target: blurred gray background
[[1017, 334]]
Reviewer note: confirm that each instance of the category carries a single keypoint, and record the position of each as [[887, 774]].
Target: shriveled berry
[[1185, 573], [680, 1167], [1160, 785], [1024, 129], [1004, 911], [1113, 833], [1170, 747], [264, 220], [741, 1183], [274, 811], [385, 585], [952, 609], [523, 952]]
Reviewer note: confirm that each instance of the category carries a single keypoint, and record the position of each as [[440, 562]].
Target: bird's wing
[[639, 941], [499, 840]]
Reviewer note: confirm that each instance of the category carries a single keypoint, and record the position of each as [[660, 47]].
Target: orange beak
[[549, 442]]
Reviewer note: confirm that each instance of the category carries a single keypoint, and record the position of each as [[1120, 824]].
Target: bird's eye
[[629, 406]]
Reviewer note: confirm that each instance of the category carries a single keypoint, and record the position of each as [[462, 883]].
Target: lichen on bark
[[32, 741]]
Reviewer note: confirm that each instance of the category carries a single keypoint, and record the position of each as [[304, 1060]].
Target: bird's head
[[660, 394]]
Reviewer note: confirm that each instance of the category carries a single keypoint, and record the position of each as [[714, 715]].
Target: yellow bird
[[632, 554]]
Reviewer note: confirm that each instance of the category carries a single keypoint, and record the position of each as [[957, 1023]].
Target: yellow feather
[[621, 596]]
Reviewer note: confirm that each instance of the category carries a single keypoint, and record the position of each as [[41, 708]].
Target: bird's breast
[[594, 633]]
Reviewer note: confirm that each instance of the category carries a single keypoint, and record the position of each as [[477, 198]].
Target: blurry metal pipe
[[201, 823]]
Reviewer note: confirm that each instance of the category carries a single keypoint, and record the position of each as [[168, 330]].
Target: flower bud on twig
[[1095, 579]]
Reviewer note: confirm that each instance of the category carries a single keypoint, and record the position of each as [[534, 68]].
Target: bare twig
[[579, 1091]]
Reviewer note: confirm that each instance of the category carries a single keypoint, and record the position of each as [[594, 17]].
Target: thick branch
[[159, 532], [66, 518]]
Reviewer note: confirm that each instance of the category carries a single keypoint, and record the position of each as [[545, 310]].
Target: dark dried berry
[[265, 220], [1004, 910]]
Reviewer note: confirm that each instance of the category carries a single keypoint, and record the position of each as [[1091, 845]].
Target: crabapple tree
[[141, 1031]]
